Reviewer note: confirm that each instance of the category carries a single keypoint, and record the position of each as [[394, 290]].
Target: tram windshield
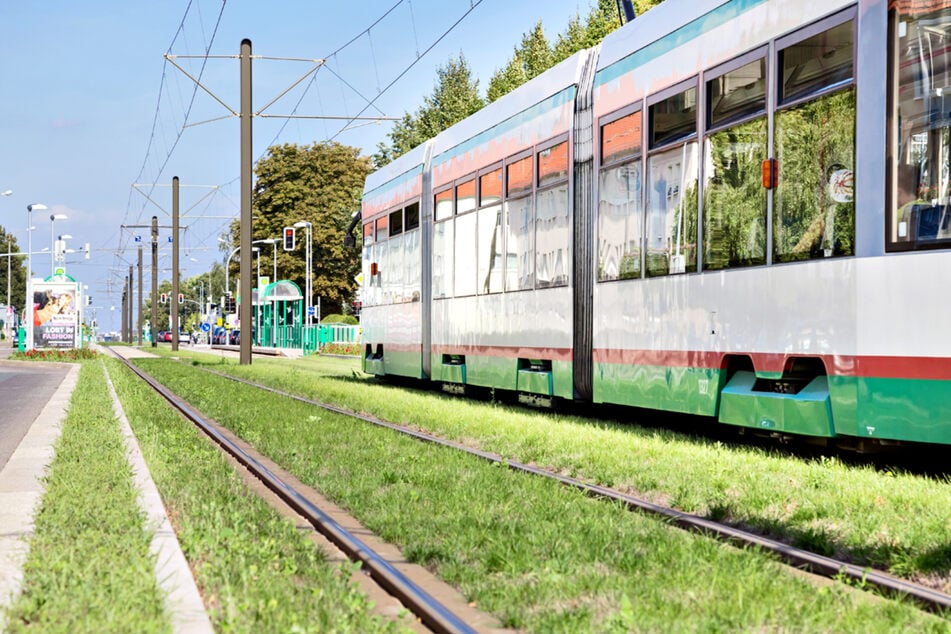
[[922, 199]]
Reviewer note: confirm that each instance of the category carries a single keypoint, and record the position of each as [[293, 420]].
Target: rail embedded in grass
[[884, 519], [539, 556], [89, 566], [255, 570]]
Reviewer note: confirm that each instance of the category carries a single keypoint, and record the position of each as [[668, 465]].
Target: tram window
[[466, 196], [553, 164], [393, 271], [813, 206], [621, 138], [412, 265], [820, 62], [443, 205], [490, 264], [412, 216], [368, 234], [465, 255], [673, 118], [921, 202], [442, 259], [519, 250], [737, 94], [519, 177], [672, 211], [490, 188], [734, 200], [396, 222], [381, 229], [552, 237], [620, 219]]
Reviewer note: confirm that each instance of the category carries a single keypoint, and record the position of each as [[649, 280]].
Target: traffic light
[[230, 307], [181, 298], [289, 234], [88, 300], [164, 298]]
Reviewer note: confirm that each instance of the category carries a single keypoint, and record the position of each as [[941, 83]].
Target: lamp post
[[307, 280], [53, 219], [7, 192], [28, 313], [271, 241], [227, 263]]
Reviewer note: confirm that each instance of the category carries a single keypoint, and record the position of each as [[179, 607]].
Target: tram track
[[889, 585], [432, 613]]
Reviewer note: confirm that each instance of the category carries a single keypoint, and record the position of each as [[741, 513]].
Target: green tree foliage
[[321, 184], [17, 267], [455, 97], [531, 58]]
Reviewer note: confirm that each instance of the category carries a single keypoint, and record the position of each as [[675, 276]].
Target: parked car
[[219, 336], [235, 338]]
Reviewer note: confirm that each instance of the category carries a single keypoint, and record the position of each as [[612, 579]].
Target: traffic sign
[[311, 311], [205, 327]]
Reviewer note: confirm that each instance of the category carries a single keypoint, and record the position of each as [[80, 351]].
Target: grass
[[887, 519], [539, 556], [89, 568], [256, 572]]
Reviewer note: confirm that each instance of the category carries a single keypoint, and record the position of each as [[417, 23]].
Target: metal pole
[[9, 307], [244, 311], [139, 324], [274, 279], [123, 335], [52, 222], [152, 328], [174, 321], [28, 306], [131, 300]]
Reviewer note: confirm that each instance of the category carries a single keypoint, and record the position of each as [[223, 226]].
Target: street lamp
[[274, 242], [307, 279], [29, 271], [7, 321], [53, 219]]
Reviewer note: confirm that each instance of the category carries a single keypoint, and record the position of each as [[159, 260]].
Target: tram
[[737, 209]]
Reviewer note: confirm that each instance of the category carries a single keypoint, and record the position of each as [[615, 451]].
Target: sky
[[95, 122]]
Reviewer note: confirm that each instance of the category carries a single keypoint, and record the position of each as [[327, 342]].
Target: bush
[[72, 354], [340, 319], [352, 349]]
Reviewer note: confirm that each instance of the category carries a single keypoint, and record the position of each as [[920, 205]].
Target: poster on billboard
[[55, 315]]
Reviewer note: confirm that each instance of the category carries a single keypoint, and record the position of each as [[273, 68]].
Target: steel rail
[[430, 611], [928, 598]]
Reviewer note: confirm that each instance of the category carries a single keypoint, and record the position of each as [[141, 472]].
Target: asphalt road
[[25, 388]]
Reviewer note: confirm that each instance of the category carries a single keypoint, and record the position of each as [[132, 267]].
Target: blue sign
[[310, 311], [205, 327], [170, 239], [138, 239]]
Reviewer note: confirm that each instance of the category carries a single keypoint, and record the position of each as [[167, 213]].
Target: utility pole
[[244, 310], [122, 332], [154, 279], [139, 324], [174, 320], [131, 300]]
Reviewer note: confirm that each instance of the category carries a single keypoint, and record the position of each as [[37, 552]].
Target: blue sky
[[89, 106]]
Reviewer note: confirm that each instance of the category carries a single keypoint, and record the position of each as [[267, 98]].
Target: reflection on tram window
[[813, 208], [552, 237], [734, 200], [672, 211], [620, 218], [520, 252], [442, 259], [921, 210]]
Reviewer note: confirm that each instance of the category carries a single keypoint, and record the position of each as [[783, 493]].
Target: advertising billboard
[[55, 315]]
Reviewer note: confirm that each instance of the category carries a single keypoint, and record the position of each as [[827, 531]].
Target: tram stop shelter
[[279, 315]]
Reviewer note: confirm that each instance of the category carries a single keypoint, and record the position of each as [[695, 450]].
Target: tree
[[17, 267], [320, 183], [531, 58], [455, 97]]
